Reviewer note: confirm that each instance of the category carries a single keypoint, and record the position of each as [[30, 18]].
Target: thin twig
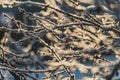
[[26, 71], [13, 54]]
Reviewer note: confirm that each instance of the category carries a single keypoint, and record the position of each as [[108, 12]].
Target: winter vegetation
[[59, 39]]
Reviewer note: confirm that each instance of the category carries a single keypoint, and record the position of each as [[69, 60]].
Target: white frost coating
[[7, 3]]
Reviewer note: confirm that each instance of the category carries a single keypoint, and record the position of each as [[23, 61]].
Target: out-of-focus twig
[[114, 71], [27, 71]]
